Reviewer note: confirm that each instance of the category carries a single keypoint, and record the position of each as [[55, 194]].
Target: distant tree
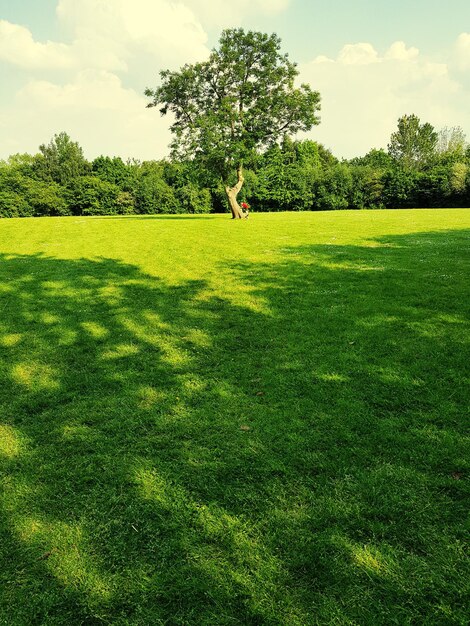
[[46, 198], [452, 142], [367, 187], [13, 204], [399, 186], [153, 194], [378, 159], [22, 195], [89, 195], [63, 159], [241, 99], [284, 181], [26, 164], [431, 188], [188, 185], [333, 187], [326, 157], [458, 176], [112, 170], [115, 171], [193, 199], [414, 144]]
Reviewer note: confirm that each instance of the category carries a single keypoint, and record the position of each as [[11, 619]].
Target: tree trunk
[[232, 193]]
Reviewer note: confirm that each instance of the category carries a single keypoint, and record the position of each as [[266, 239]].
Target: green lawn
[[207, 422]]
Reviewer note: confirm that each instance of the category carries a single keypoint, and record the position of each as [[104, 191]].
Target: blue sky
[[81, 65]]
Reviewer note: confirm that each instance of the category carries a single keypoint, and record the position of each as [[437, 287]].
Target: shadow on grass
[[167, 457]]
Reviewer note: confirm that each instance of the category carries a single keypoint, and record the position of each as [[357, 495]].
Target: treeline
[[420, 168]]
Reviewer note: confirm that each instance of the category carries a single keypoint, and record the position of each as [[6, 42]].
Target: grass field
[[207, 422]]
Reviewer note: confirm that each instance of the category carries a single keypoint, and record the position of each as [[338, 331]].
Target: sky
[[81, 66]]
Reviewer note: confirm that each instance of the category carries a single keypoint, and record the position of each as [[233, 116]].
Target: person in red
[[245, 207]]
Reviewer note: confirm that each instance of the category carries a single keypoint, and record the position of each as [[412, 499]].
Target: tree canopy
[[240, 100], [63, 159], [413, 144]]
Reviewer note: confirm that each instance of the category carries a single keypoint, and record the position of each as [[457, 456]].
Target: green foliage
[[332, 188], [414, 144], [13, 204], [287, 175], [367, 187], [46, 198], [25, 164], [63, 159], [89, 195], [377, 159], [13, 189], [284, 176], [241, 99], [194, 200], [125, 203], [23, 196], [153, 194], [283, 182], [432, 188], [398, 188], [452, 144], [458, 176], [115, 171]]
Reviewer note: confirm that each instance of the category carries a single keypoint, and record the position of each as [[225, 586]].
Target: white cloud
[[358, 54], [162, 30], [400, 52], [110, 34], [462, 52], [79, 86], [223, 14], [17, 46], [95, 109], [364, 93], [321, 58]]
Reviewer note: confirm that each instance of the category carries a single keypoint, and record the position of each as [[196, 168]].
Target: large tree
[[240, 100]]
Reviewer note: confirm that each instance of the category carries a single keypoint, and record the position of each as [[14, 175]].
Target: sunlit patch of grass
[[49, 318], [120, 351], [153, 487], [352, 266], [112, 294], [10, 340], [331, 377], [96, 330], [148, 397], [11, 444], [66, 336], [36, 376], [77, 431], [369, 559], [67, 555], [165, 342], [198, 338]]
